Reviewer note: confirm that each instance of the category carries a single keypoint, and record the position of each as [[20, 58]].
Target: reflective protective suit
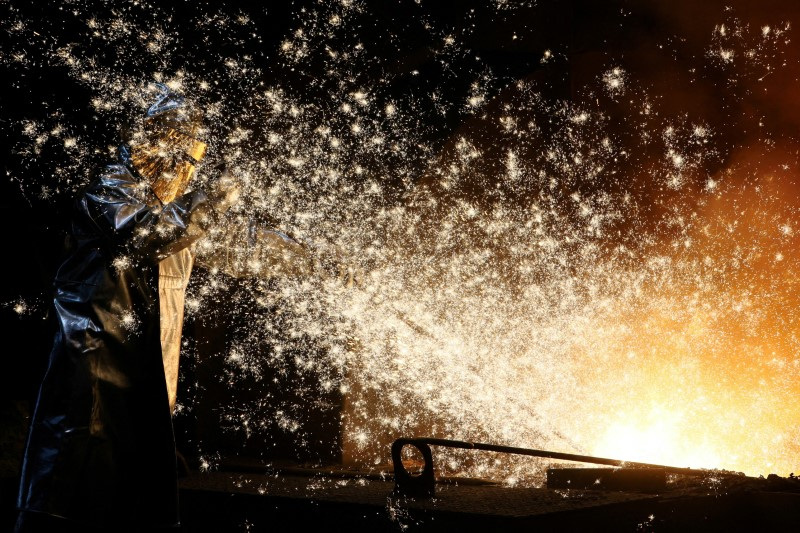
[[101, 447]]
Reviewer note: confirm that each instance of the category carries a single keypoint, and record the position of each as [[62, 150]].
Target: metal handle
[[405, 484]]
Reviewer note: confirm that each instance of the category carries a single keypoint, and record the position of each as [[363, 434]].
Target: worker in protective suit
[[100, 450]]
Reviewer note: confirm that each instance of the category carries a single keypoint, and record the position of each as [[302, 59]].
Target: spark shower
[[577, 228]]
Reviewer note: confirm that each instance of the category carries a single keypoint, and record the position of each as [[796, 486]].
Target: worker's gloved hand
[[224, 194], [275, 253]]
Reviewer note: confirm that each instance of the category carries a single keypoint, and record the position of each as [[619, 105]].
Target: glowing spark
[[129, 321], [614, 80]]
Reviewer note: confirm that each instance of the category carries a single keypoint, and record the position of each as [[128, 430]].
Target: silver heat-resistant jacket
[[101, 448]]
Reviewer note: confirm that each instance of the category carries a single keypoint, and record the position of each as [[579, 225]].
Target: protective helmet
[[168, 148]]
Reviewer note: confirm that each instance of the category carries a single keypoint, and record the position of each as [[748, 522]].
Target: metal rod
[[423, 484], [552, 455]]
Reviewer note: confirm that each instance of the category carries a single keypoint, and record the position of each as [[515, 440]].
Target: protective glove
[[277, 254], [224, 194]]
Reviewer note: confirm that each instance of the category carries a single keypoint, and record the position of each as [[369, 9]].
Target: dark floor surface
[[336, 500], [295, 499]]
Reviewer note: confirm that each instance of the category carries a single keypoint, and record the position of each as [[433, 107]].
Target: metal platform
[[297, 499]]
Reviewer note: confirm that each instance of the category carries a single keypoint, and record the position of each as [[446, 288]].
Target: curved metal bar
[[423, 485]]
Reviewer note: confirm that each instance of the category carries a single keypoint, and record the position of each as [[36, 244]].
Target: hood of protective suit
[[168, 147]]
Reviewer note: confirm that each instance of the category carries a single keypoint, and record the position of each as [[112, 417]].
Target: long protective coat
[[101, 448]]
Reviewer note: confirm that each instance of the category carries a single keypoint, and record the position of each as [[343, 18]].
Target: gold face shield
[[168, 161]]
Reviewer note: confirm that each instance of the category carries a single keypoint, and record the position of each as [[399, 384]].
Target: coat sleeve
[[131, 217], [243, 248]]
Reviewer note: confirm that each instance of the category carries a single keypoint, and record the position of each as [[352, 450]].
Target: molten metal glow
[[660, 438]]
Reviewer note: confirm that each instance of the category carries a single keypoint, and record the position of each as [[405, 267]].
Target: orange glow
[[662, 438]]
